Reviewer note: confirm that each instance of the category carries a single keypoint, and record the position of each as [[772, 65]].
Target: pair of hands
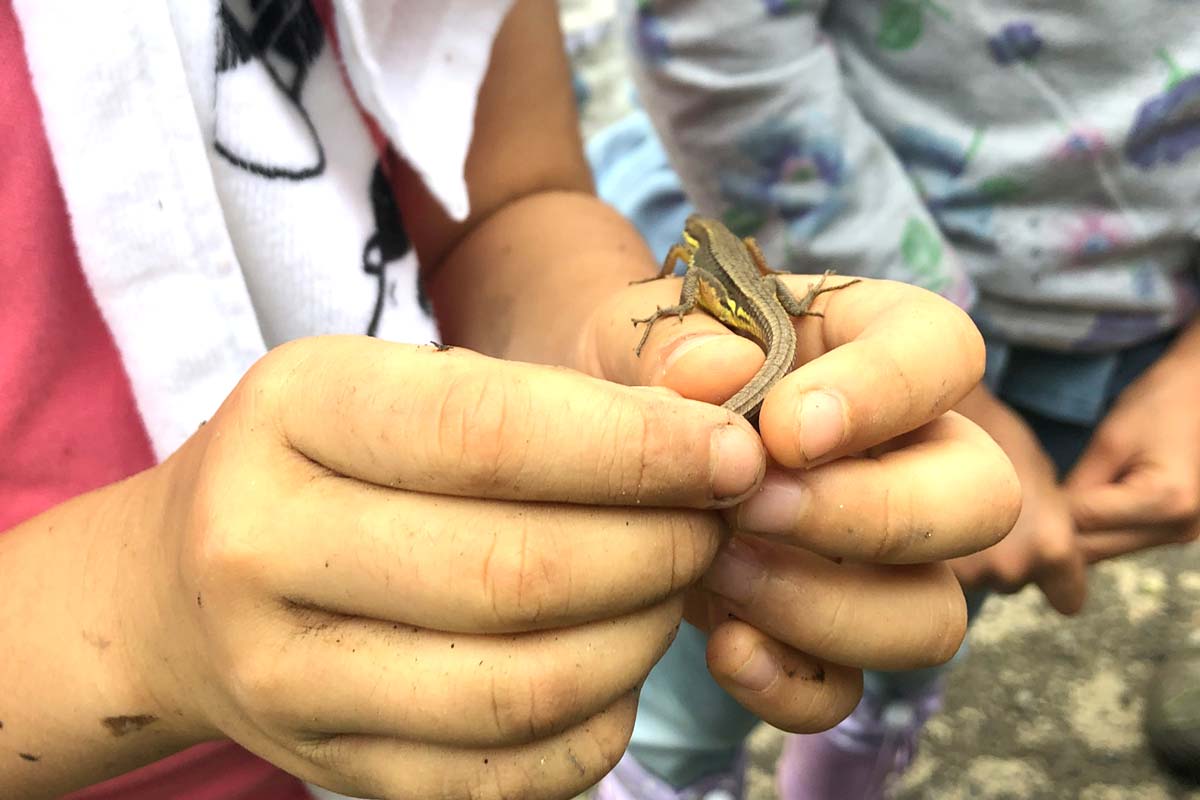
[[1137, 485], [399, 572]]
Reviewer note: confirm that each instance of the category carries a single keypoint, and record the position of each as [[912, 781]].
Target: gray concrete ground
[[1048, 707]]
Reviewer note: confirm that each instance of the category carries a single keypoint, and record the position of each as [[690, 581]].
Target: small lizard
[[729, 278]]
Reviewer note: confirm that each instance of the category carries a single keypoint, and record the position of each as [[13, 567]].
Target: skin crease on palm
[[356, 567]]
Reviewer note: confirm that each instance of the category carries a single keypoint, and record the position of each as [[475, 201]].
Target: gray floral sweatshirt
[[1037, 162]]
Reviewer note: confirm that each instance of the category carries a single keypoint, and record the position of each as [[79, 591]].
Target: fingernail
[[653, 370], [759, 672], [685, 344], [735, 573], [776, 507], [736, 461], [822, 424]]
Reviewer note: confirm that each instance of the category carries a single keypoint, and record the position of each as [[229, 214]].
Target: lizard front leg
[[678, 252], [688, 298], [800, 307], [760, 260]]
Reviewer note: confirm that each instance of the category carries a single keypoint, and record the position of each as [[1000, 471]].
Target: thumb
[[459, 423], [1102, 462], [1136, 499], [696, 356]]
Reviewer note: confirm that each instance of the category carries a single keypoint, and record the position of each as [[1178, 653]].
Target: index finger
[[1148, 496], [459, 423], [885, 359]]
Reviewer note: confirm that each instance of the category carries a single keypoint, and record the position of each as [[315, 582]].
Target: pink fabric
[[68, 422]]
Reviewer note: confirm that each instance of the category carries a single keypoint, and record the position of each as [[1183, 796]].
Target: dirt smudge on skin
[[122, 725], [96, 640]]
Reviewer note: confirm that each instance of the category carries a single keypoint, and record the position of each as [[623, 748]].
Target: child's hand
[[1138, 483], [1043, 547], [405, 573], [846, 570]]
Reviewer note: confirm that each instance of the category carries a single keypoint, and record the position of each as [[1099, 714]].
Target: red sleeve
[[68, 421]]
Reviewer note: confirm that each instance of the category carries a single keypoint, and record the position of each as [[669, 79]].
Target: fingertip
[[738, 462], [1067, 594], [707, 365], [788, 689], [801, 429], [738, 655]]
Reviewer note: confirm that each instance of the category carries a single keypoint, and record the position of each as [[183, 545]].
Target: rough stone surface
[[1048, 707]]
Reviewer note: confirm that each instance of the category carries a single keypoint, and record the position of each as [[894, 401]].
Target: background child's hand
[[1043, 547], [846, 569], [392, 571], [1138, 483]]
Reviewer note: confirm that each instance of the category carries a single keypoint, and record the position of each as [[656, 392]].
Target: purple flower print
[[1016, 41], [1167, 127], [1081, 143], [794, 172], [1111, 329], [963, 208], [779, 8], [650, 35], [1092, 235], [925, 149]]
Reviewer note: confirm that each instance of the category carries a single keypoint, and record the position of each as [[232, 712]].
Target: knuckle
[[224, 545], [542, 704], [523, 583], [268, 379], [261, 689], [895, 526], [1008, 572], [1059, 552], [638, 448], [971, 355], [947, 637], [478, 425], [604, 738], [609, 742], [1007, 580], [1186, 534], [646, 453], [1007, 499], [1107, 443], [1181, 503], [693, 540], [342, 769], [1084, 513]]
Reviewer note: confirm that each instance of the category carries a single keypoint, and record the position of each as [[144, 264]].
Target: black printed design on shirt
[[278, 40], [388, 243]]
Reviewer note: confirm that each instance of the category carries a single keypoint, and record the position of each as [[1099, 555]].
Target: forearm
[[524, 282], [1185, 350], [75, 708], [983, 408], [538, 252], [1005, 426]]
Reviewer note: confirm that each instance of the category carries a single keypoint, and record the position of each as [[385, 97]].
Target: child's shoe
[[629, 780], [859, 758]]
